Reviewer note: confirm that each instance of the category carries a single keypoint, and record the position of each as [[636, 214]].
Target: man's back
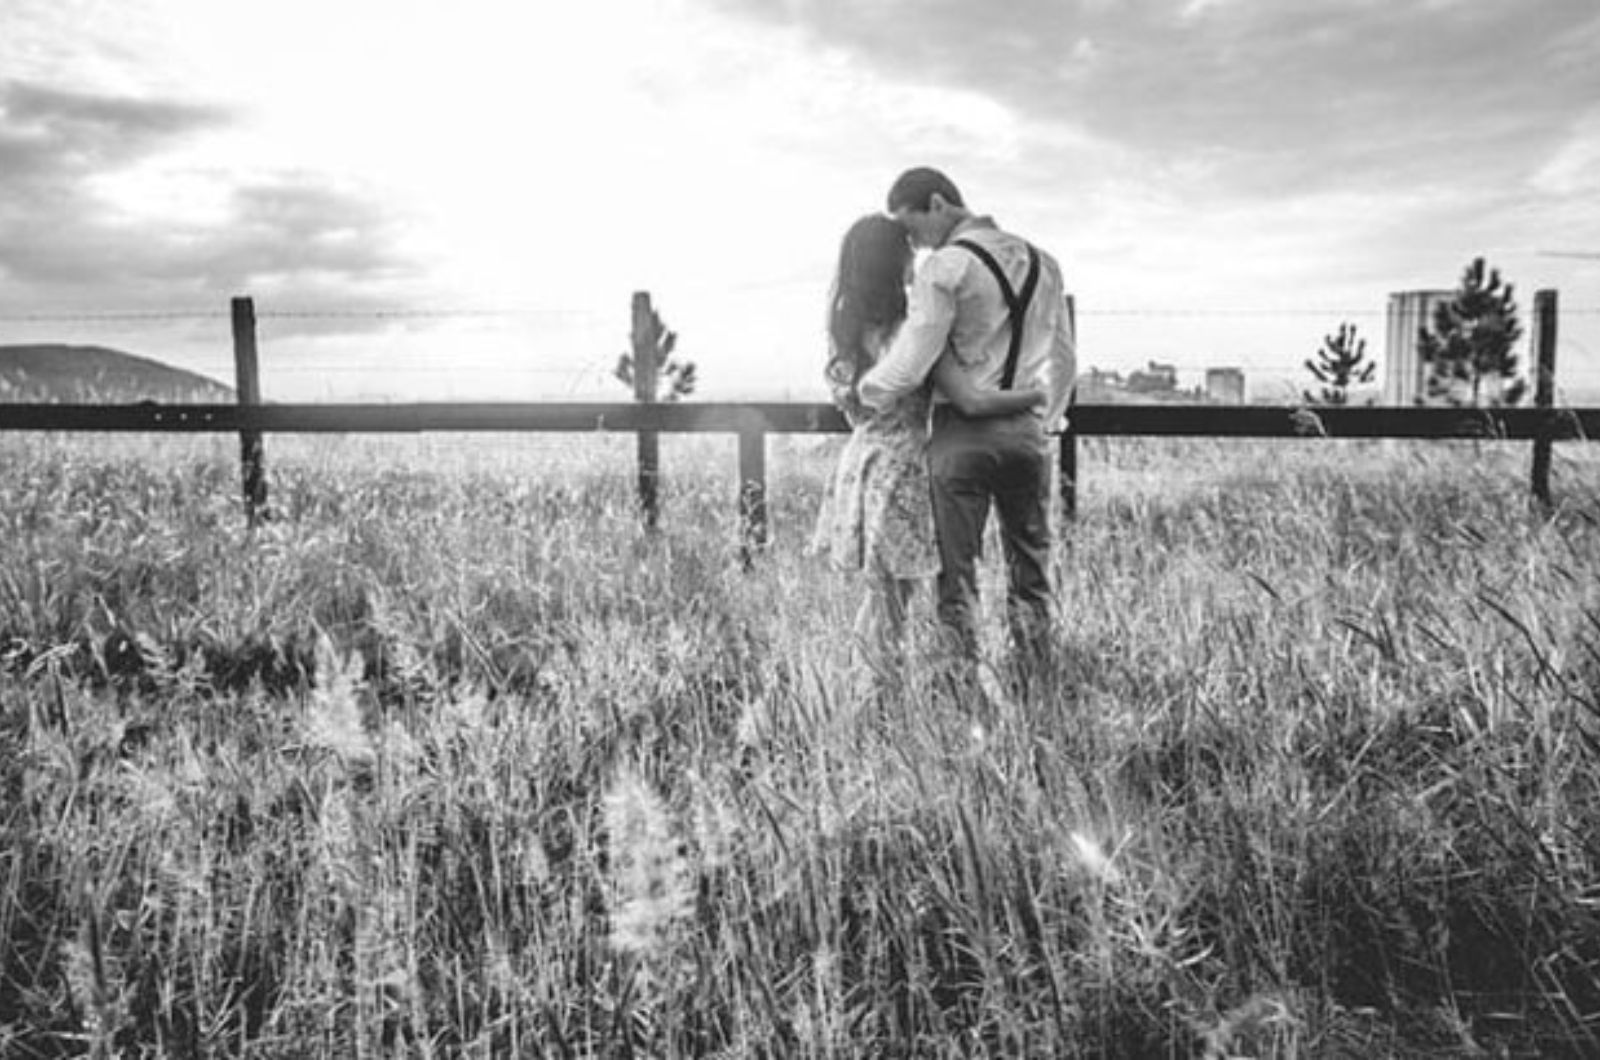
[[981, 330], [956, 298]]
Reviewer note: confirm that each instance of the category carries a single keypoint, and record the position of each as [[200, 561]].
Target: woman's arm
[[969, 401], [847, 401]]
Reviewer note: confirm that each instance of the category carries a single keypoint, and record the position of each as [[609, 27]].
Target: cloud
[[103, 206], [51, 139], [295, 225], [107, 126], [1573, 169], [51, 143], [1253, 96]]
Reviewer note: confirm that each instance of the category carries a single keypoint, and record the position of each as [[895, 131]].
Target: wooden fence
[[1541, 424]]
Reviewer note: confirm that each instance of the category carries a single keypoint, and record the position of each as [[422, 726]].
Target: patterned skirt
[[877, 511]]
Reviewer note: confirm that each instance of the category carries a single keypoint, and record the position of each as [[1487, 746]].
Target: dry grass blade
[[453, 759]]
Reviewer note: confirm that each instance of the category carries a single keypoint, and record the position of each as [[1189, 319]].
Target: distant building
[[1225, 386], [1155, 383], [1404, 373], [1097, 387], [1155, 379]]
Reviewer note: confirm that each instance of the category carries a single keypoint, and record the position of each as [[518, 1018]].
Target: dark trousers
[[1001, 461]]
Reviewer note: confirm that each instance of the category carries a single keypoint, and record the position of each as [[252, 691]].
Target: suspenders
[[1016, 302]]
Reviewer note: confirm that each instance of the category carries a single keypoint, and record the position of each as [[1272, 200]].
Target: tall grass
[[451, 758]]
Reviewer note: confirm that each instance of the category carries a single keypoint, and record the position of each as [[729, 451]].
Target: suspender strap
[[1016, 303]]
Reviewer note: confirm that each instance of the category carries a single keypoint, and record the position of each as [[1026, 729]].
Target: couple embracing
[[951, 389]]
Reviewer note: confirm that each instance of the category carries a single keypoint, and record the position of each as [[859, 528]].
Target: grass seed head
[[1094, 860], [333, 718], [650, 883]]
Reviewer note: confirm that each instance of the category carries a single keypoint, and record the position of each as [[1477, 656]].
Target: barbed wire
[[1116, 311], [442, 371], [410, 313], [1271, 312], [399, 313], [112, 317], [428, 314]]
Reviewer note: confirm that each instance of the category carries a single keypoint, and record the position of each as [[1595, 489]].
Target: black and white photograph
[[799, 528]]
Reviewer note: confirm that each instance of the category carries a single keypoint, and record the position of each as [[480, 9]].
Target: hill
[[61, 374]]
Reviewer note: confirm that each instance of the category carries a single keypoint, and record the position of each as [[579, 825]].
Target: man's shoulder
[[1009, 248], [954, 258], [1049, 266], [945, 265]]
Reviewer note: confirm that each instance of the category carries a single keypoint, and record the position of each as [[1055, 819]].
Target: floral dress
[[877, 511]]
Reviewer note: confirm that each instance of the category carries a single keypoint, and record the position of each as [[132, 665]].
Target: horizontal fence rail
[[557, 417], [753, 421], [1217, 421], [1261, 421], [646, 417]]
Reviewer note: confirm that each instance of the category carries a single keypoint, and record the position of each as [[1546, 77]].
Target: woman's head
[[869, 291]]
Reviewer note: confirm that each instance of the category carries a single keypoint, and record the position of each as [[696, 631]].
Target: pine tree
[[1470, 351], [1340, 364], [679, 375]]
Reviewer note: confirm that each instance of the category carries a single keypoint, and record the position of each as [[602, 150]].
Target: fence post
[[1069, 474], [1544, 388], [644, 390], [1068, 460], [752, 490], [247, 389]]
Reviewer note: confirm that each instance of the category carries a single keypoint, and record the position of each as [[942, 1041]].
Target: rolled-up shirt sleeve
[[1063, 370], [920, 340]]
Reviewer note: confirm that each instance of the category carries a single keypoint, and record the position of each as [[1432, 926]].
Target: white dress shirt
[[955, 300]]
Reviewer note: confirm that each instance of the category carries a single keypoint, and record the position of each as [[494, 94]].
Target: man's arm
[[954, 384], [1063, 369], [920, 340]]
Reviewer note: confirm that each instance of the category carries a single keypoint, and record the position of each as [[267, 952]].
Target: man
[[998, 304]]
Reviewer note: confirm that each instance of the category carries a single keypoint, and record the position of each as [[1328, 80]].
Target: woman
[[877, 515]]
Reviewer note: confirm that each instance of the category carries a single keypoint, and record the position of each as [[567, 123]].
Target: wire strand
[[407, 313]]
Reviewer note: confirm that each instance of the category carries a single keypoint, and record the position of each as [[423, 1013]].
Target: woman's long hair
[[868, 292]]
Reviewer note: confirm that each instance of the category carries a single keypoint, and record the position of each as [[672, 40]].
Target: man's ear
[[937, 202]]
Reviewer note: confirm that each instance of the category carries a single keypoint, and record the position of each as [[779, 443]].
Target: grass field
[[450, 758]]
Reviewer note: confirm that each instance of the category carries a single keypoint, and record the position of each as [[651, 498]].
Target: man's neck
[[965, 224]]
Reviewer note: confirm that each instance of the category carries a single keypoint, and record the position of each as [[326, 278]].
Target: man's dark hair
[[914, 190]]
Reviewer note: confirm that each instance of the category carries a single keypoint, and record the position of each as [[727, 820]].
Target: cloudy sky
[[456, 199]]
